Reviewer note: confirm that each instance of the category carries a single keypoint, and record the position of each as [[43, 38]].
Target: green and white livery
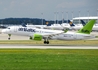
[[46, 35]]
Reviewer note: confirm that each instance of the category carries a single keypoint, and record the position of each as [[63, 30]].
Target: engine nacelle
[[37, 37]]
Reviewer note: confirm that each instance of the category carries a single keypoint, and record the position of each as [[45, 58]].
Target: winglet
[[88, 27]]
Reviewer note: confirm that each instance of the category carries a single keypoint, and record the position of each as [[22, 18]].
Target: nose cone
[[3, 31]]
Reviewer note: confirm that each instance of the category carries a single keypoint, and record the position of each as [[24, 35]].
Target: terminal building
[[76, 20]]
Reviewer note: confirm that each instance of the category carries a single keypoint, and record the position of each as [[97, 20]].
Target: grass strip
[[48, 59]]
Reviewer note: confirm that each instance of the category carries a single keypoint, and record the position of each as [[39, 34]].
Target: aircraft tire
[[8, 38], [47, 42]]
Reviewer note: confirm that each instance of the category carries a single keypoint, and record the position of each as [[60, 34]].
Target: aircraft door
[[15, 29]]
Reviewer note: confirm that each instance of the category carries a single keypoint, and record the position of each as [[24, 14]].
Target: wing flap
[[51, 35]]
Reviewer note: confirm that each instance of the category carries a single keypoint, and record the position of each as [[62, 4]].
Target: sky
[[47, 9]]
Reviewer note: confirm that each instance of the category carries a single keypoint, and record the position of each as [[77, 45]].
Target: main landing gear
[[9, 36], [46, 41]]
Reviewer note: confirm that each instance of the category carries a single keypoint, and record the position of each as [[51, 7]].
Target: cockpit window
[[8, 28]]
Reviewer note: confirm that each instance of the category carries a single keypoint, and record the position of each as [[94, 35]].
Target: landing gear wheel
[[8, 38], [30, 38], [45, 42]]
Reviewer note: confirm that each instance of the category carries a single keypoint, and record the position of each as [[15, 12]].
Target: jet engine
[[36, 37]]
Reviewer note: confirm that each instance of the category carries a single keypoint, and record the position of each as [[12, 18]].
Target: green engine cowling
[[37, 37]]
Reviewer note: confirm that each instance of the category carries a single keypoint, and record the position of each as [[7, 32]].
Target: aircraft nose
[[3, 31]]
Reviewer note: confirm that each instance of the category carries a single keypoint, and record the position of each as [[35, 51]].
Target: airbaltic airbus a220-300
[[34, 33], [39, 34]]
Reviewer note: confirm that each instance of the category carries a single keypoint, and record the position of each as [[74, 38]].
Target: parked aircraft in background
[[51, 26], [83, 23], [56, 26], [74, 26], [36, 26], [39, 34]]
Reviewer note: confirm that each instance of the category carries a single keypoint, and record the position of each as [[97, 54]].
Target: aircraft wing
[[52, 34]]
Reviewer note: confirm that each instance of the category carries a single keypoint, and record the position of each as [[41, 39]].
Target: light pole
[[62, 18], [79, 17], [54, 17], [97, 15], [42, 18], [88, 15], [72, 14], [67, 16], [57, 16], [97, 12]]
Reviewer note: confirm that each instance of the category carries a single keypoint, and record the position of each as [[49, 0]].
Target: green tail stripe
[[88, 27]]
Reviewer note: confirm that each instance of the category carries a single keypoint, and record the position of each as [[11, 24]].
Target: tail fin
[[48, 24], [88, 27], [70, 23], [24, 25], [83, 23]]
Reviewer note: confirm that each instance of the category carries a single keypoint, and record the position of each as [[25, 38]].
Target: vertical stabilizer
[[88, 27], [48, 24], [83, 23], [70, 23]]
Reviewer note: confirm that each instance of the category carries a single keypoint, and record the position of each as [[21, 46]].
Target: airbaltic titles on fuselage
[[32, 30], [26, 30]]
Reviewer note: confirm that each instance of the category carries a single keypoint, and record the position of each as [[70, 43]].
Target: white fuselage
[[72, 36], [27, 31]]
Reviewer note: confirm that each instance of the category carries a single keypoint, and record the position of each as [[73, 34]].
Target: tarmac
[[47, 47]]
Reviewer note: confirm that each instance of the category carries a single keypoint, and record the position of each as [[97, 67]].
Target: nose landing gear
[[9, 36]]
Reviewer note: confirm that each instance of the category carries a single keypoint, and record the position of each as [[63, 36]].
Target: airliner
[[35, 33], [46, 35]]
